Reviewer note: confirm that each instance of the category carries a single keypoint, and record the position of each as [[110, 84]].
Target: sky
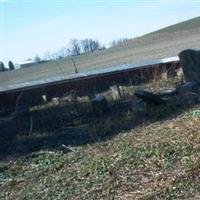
[[38, 27]]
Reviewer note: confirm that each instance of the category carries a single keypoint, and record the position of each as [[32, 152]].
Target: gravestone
[[116, 94], [139, 107], [167, 93], [190, 63], [100, 105], [149, 97], [189, 93]]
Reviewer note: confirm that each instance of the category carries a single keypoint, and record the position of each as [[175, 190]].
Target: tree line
[[74, 48], [77, 47]]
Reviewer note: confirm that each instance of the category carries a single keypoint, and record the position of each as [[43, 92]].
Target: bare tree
[[94, 45], [75, 47], [51, 56], [90, 45], [37, 59], [47, 56], [85, 44], [119, 41], [102, 48], [62, 53]]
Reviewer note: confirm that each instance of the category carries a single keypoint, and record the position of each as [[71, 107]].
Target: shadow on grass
[[62, 124]]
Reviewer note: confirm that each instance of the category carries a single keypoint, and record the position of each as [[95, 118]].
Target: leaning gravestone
[[116, 94], [190, 63], [149, 97]]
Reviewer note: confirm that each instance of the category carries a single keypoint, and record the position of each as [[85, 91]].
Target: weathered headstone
[[167, 93], [149, 97], [55, 100], [164, 76], [116, 94], [139, 107], [190, 63], [189, 93], [73, 97], [100, 105]]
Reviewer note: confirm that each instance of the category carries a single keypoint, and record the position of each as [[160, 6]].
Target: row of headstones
[[183, 95], [187, 93]]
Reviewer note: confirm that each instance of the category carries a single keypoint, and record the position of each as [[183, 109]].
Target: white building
[[25, 64]]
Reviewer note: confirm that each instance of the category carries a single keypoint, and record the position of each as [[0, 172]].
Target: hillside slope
[[160, 44], [117, 156], [183, 26]]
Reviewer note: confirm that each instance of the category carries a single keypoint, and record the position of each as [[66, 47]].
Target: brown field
[[164, 43]]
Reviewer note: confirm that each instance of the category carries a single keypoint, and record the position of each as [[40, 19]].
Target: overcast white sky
[[36, 27]]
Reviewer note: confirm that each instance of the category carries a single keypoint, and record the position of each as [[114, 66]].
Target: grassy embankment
[[118, 156]]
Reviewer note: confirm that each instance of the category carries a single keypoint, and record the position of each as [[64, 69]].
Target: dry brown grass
[[122, 157]]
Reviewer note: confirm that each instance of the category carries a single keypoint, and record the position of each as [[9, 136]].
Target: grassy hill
[[183, 26], [118, 156], [163, 43]]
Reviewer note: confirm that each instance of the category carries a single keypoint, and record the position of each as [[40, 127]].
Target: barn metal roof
[[90, 74]]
